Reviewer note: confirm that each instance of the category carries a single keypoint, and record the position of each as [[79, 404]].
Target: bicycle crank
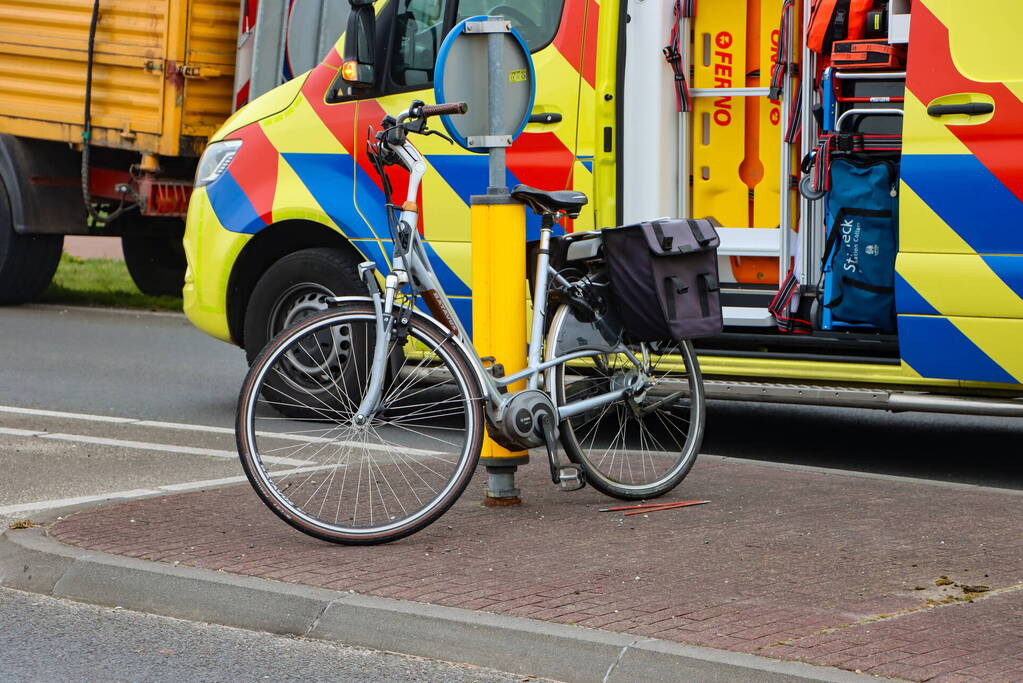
[[567, 477]]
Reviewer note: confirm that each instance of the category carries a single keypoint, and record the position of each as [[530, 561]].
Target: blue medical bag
[[859, 257]]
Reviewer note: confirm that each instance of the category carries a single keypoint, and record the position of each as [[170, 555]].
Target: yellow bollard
[[499, 317]]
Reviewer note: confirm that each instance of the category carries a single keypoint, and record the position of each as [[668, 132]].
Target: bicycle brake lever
[[430, 131]]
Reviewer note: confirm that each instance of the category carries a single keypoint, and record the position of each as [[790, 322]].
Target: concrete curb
[[31, 561]]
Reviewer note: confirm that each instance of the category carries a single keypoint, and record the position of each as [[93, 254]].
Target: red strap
[[781, 64], [781, 307]]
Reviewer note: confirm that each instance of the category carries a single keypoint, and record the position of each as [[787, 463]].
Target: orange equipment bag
[[865, 54], [832, 20]]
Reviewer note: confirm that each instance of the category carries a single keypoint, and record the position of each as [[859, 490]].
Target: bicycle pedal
[[570, 478]]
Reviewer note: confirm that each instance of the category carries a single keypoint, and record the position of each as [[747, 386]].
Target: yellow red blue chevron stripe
[[959, 282]]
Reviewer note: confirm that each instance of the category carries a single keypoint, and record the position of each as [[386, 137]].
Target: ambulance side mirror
[[360, 45]]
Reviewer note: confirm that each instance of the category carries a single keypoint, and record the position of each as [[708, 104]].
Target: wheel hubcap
[[320, 356]]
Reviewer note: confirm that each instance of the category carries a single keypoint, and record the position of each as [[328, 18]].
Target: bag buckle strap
[[664, 240], [710, 283], [702, 238], [672, 286]]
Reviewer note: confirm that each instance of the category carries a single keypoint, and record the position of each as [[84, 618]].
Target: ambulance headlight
[[215, 160]]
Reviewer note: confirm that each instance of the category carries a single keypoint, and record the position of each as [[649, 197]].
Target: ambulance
[[861, 159]]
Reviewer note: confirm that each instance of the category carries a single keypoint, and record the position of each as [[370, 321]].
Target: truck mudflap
[[39, 205]]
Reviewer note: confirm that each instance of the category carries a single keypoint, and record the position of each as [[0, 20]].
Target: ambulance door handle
[[969, 109], [545, 117]]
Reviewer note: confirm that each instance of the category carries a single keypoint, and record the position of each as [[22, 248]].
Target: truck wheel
[[294, 288], [154, 254], [27, 262]]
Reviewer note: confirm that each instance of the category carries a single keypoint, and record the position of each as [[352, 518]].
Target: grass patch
[[101, 282]]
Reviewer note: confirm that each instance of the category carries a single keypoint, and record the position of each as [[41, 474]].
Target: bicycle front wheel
[[344, 482], [644, 445]]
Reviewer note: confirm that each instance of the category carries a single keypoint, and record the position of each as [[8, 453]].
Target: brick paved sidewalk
[[793, 564]]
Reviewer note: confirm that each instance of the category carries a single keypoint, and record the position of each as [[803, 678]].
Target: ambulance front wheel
[[295, 288]]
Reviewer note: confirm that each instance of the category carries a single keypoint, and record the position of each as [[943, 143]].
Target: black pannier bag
[[664, 279]]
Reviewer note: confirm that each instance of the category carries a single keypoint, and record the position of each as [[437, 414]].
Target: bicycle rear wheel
[[359, 484], [642, 446]]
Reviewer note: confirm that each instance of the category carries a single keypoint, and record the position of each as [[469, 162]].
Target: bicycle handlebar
[[451, 108], [413, 120]]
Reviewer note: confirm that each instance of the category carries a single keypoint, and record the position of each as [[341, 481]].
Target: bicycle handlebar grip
[[451, 108]]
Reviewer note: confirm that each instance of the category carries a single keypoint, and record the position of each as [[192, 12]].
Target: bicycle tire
[[430, 446], [583, 436]]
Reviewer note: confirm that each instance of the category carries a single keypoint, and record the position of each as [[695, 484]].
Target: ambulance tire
[[294, 288], [27, 262], [154, 254]]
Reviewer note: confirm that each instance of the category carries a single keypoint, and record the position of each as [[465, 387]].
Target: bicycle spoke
[[394, 459], [321, 385], [398, 454], [409, 462], [303, 404], [339, 394], [298, 485]]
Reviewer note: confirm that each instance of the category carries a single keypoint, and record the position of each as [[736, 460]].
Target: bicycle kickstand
[[567, 477]]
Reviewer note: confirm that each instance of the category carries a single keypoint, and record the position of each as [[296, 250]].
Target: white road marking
[[11, 510], [302, 466], [207, 429], [69, 416], [186, 427], [406, 450], [20, 432], [38, 506], [143, 445]]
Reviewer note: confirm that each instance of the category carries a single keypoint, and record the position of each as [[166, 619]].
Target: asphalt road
[[106, 644], [145, 365], [158, 367]]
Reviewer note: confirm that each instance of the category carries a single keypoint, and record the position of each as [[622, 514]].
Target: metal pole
[[785, 216], [495, 109], [499, 296], [808, 213], [684, 128]]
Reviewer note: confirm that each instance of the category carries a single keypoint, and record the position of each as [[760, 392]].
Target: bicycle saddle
[[569, 201]]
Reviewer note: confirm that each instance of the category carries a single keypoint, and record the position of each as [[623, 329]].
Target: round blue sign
[[463, 74]]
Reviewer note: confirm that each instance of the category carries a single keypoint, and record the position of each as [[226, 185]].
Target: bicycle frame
[[413, 264]]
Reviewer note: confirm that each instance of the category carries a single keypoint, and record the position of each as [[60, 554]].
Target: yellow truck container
[[145, 82], [162, 71]]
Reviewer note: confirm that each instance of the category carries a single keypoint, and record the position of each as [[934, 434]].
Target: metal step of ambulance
[[746, 306], [746, 316], [860, 397], [758, 242], [749, 241]]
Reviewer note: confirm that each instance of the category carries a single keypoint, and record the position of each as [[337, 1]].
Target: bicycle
[[364, 423]]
